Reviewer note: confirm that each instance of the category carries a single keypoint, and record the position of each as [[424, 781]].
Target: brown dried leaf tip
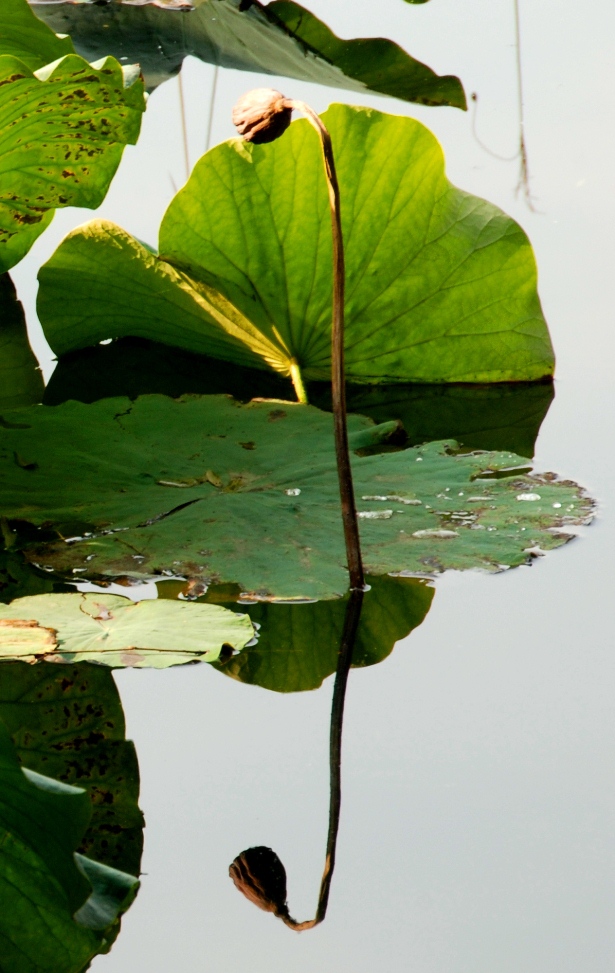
[[260, 875], [262, 115]]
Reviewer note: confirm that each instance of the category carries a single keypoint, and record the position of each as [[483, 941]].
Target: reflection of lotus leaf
[[67, 723], [440, 285], [298, 645], [207, 488], [280, 38], [118, 632], [58, 909]]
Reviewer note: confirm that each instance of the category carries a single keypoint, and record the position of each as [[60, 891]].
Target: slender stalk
[[210, 117], [524, 172], [297, 380], [351, 624], [338, 384], [182, 108]]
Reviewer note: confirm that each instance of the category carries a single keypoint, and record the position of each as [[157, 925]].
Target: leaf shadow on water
[[505, 416]]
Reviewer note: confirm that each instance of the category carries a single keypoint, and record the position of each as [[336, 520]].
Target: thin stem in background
[[182, 108], [338, 382], [210, 117], [524, 174]]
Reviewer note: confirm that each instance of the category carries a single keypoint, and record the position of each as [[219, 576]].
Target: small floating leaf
[[118, 632]]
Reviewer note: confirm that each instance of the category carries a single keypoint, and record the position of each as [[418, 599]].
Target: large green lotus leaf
[[68, 723], [298, 645], [116, 631], [63, 129], [499, 416], [280, 38], [441, 285], [207, 488], [57, 910], [21, 381], [24, 36]]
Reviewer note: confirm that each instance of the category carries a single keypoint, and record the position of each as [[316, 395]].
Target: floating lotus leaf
[[21, 381], [278, 38], [440, 285], [63, 130], [67, 723], [209, 489], [58, 909], [116, 631]]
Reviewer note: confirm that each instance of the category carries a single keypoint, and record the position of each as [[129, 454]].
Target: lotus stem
[[338, 383], [297, 380]]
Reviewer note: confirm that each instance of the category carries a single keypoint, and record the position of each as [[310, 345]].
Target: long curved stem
[[338, 383]]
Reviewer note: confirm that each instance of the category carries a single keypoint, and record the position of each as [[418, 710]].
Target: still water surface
[[477, 822]]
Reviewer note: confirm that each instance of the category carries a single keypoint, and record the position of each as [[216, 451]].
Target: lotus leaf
[[24, 36], [57, 909], [209, 489], [67, 723], [279, 38], [116, 631], [21, 381], [298, 645], [440, 285], [64, 128]]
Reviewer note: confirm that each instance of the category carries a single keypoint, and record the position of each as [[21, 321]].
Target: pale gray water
[[477, 824]]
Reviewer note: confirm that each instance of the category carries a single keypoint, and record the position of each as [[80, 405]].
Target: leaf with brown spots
[[44, 126]]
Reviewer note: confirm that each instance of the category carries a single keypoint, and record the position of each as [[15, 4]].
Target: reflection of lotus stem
[[258, 872], [338, 386]]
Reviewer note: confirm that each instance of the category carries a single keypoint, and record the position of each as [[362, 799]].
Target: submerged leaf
[[21, 381], [117, 632], [95, 474], [63, 131], [440, 285], [278, 38]]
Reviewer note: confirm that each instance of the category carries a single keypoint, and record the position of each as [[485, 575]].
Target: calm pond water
[[478, 783]]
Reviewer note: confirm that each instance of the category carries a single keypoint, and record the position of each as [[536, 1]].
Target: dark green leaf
[[21, 382], [441, 286], [206, 488], [63, 130], [279, 38]]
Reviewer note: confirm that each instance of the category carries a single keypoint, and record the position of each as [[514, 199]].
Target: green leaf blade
[[63, 129]]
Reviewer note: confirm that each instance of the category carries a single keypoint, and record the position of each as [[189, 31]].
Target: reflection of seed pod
[[261, 115], [260, 875]]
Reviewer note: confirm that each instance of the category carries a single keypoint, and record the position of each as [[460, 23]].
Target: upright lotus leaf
[[63, 129], [440, 285], [67, 723], [21, 381], [278, 38], [116, 631], [24, 36], [209, 489], [55, 911], [298, 645]]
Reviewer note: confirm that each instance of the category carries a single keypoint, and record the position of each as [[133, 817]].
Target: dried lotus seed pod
[[260, 875], [262, 115]]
